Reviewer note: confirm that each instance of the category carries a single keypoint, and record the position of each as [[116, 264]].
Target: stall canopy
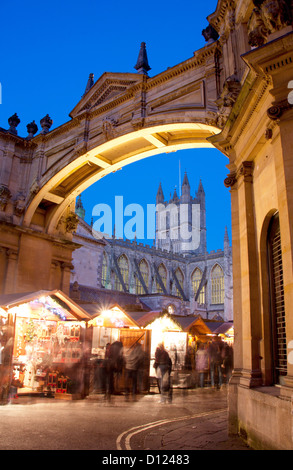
[[113, 317], [51, 305], [223, 329], [195, 327]]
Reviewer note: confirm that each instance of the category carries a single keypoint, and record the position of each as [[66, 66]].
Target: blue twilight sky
[[50, 48]]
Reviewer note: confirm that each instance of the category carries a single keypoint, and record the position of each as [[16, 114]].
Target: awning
[[55, 304]]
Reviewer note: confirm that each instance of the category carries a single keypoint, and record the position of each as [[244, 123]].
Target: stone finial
[[13, 122], [32, 129], [142, 64], [46, 123], [210, 34], [90, 83]]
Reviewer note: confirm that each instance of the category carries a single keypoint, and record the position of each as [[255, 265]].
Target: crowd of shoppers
[[213, 363], [209, 364]]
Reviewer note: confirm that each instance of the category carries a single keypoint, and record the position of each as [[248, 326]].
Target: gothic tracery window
[[163, 275], [104, 270], [144, 271], [180, 279], [195, 281], [217, 280], [124, 270]]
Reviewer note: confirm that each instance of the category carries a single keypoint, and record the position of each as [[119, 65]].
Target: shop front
[[43, 345]]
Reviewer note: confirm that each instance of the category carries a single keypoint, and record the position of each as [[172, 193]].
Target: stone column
[[250, 302], [246, 302], [10, 280], [65, 278]]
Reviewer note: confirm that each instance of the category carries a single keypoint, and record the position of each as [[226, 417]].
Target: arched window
[[104, 270], [144, 270], [195, 282], [277, 304], [124, 270], [217, 280], [180, 279], [163, 274]]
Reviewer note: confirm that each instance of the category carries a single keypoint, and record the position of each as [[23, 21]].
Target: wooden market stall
[[114, 326], [165, 328], [46, 348]]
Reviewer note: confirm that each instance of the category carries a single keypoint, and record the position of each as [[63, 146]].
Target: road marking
[[144, 427]]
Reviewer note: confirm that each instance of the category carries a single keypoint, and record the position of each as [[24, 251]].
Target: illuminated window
[[163, 274], [217, 278], [144, 270], [124, 270], [195, 281], [180, 279], [104, 270]]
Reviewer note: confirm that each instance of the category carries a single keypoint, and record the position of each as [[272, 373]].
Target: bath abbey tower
[[176, 273]]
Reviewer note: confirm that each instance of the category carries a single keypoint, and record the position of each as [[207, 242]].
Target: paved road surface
[[196, 420]]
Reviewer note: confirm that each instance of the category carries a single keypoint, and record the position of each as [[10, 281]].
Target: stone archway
[[59, 187]]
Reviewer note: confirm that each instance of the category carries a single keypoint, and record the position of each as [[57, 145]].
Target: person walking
[[134, 359], [215, 359], [163, 366], [201, 363]]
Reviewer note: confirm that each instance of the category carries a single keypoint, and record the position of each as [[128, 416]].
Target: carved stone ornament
[[19, 204], [35, 188], [268, 17], [71, 222], [46, 123], [109, 128], [32, 129], [210, 34], [227, 99], [276, 111], [5, 195], [13, 122], [230, 180]]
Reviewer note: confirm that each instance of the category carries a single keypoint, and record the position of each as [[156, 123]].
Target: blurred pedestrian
[[215, 360], [201, 363], [163, 366], [116, 362], [227, 364], [106, 374], [134, 360]]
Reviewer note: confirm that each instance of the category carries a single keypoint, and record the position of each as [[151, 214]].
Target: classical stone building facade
[[185, 282]]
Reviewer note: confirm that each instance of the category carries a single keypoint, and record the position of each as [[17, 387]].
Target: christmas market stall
[[44, 344], [114, 329], [165, 329], [223, 330]]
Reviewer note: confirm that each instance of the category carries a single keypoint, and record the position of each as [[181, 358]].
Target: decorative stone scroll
[[268, 17]]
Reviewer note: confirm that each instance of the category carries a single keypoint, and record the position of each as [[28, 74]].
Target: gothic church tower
[[181, 221]]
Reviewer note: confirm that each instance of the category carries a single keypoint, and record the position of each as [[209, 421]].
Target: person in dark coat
[[163, 366]]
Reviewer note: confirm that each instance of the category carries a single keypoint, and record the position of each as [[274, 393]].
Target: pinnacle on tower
[[79, 209], [175, 195], [90, 83], [200, 188], [160, 195], [142, 64], [185, 185]]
